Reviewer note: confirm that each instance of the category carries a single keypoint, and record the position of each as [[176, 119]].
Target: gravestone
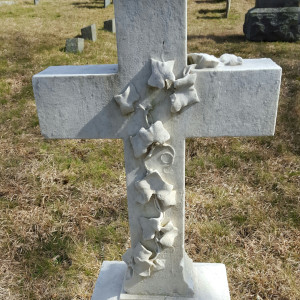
[[228, 4], [89, 33], [36, 2], [7, 3], [273, 20], [276, 3], [106, 3], [74, 45], [153, 101], [110, 25]]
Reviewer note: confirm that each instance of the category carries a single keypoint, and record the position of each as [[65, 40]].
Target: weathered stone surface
[[74, 45], [106, 3], [276, 3], [273, 24], [110, 25], [89, 33]]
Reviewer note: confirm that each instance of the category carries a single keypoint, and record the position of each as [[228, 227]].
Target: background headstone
[[7, 2], [74, 45], [110, 25], [36, 2], [228, 4], [106, 3], [276, 3], [89, 33], [279, 23]]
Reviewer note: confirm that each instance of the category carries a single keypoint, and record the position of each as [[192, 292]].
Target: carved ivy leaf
[[185, 91], [170, 233], [127, 99], [127, 257], [231, 60], [141, 257], [146, 137], [162, 73], [158, 264], [153, 184], [203, 60], [150, 227], [168, 199]]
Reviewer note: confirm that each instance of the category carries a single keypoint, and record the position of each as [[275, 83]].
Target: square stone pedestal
[[211, 283]]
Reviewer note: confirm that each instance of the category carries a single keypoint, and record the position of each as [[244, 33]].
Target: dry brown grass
[[63, 203]]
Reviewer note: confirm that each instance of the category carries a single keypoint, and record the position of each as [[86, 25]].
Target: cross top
[[153, 101]]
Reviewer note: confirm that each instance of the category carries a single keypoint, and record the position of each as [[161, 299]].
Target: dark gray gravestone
[[276, 3], [75, 45], [110, 25], [89, 33], [106, 3], [273, 24]]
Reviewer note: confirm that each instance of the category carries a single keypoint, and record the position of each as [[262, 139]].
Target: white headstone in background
[[154, 101]]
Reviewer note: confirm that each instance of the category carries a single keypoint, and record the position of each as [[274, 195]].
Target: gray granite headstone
[[36, 2], [89, 33], [106, 3], [276, 3], [74, 45], [273, 24], [110, 25]]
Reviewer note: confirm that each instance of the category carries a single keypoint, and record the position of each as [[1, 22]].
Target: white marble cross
[[153, 101]]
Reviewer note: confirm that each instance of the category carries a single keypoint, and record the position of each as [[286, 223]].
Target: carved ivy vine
[[160, 231]]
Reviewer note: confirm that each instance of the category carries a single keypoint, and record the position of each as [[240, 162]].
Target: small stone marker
[[106, 3], [228, 4], [7, 3], [89, 33], [36, 2], [74, 45], [154, 101], [273, 20], [110, 25]]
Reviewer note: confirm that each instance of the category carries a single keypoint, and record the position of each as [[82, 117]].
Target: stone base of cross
[[154, 101]]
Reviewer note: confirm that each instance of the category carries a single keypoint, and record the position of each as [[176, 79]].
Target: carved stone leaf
[[127, 99], [150, 227], [158, 264], [170, 233], [203, 60], [162, 72], [153, 184], [231, 60], [185, 92], [127, 257], [146, 137], [141, 257], [168, 199]]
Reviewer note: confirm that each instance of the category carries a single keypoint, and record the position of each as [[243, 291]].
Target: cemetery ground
[[63, 204]]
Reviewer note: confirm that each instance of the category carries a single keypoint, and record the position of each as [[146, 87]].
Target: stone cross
[[153, 101]]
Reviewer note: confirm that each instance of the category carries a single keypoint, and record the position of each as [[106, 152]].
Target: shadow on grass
[[94, 4], [233, 38]]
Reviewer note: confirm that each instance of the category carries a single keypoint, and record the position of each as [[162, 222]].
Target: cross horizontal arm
[[76, 102], [235, 101]]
